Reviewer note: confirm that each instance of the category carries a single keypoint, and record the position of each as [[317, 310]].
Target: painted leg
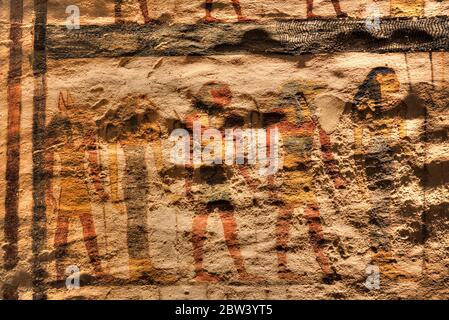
[[118, 12], [10, 292], [62, 231], [209, 18], [310, 14], [283, 224], [381, 242], [144, 8], [230, 234], [316, 237], [238, 12], [337, 8], [90, 240], [198, 237]]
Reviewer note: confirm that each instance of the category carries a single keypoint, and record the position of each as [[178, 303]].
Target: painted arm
[[48, 174], [256, 122], [187, 169], [330, 164], [94, 168], [245, 173], [113, 176], [113, 170], [402, 128], [156, 147], [358, 140], [359, 152]]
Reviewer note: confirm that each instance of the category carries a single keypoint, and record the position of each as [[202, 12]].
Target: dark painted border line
[[38, 232], [12, 176]]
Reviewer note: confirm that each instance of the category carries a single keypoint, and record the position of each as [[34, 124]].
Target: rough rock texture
[[86, 116]]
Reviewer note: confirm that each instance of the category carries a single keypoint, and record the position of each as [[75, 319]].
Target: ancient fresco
[[224, 149]]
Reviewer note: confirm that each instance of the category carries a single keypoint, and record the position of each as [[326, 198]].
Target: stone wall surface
[[356, 206]]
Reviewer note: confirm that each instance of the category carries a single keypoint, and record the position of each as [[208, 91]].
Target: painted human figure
[[379, 115], [213, 181], [134, 125], [335, 3], [237, 9], [293, 186], [72, 137], [143, 8]]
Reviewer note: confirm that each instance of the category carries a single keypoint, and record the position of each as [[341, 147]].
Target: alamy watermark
[[372, 21], [73, 280], [373, 279], [73, 21]]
